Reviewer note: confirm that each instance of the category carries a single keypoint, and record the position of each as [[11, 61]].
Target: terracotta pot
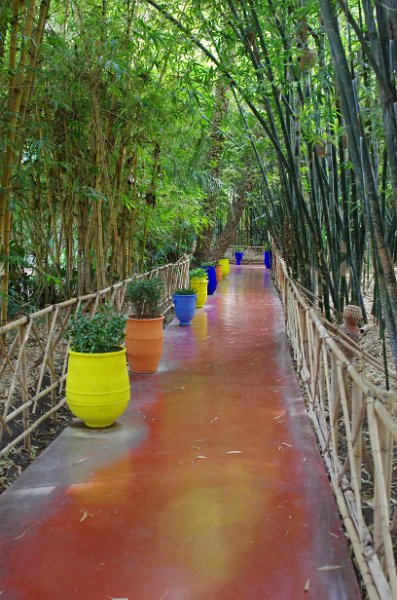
[[144, 344], [218, 270]]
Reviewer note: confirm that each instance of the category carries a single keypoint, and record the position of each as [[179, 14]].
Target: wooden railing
[[357, 431], [33, 353]]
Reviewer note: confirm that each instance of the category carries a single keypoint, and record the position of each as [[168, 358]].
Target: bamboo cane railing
[[356, 428], [33, 353]]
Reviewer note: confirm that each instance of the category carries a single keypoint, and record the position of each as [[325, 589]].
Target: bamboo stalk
[[51, 365], [334, 403], [357, 419], [384, 415], [310, 345], [16, 370], [62, 378], [316, 362], [47, 352], [356, 439], [6, 266]]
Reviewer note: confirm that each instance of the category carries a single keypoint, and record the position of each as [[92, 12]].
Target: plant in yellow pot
[[199, 283], [97, 383], [144, 329], [224, 263]]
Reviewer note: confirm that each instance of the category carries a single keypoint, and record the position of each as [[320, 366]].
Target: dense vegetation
[[129, 130]]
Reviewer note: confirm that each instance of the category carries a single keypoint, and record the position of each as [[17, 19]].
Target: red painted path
[[210, 487]]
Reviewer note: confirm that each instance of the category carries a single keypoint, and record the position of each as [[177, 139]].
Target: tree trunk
[[217, 140]]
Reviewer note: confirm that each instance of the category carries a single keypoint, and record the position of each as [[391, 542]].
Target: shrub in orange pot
[[218, 270], [144, 329]]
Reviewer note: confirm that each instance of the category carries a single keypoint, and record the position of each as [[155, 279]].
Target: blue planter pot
[[238, 257], [185, 307], [212, 281], [268, 259]]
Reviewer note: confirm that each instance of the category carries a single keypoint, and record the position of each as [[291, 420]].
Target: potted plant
[[185, 304], [211, 274], [218, 271], [224, 263], [97, 383], [238, 254], [199, 283], [268, 257], [144, 329]]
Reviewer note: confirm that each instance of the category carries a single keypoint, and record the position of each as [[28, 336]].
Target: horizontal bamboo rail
[[356, 427], [33, 353]]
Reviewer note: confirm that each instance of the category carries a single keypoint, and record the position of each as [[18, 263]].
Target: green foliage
[[198, 274], [184, 292], [114, 83], [146, 297], [209, 263], [104, 332]]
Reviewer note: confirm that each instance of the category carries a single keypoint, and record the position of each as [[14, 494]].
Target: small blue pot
[[238, 257], [268, 259], [212, 281], [185, 307]]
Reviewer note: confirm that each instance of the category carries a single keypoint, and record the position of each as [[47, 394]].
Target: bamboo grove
[[131, 129]]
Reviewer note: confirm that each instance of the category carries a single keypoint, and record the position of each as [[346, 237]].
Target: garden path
[[210, 487]]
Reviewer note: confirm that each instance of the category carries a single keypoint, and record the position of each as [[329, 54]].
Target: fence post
[[51, 365], [24, 382], [357, 407]]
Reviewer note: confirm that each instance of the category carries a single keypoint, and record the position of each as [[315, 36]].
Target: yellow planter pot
[[224, 263], [199, 285], [97, 386]]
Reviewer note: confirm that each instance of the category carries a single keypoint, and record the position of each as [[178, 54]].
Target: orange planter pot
[[144, 344], [218, 270]]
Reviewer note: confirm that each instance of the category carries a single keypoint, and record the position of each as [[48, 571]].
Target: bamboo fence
[[33, 353], [356, 427]]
